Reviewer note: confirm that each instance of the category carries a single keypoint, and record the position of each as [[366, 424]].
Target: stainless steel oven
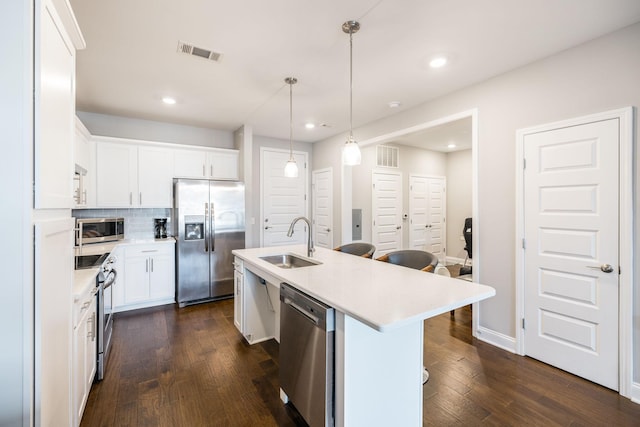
[[107, 278], [98, 230]]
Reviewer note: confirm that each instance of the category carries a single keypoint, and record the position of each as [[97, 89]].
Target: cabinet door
[[162, 276], [116, 175], [237, 302], [189, 164], [223, 165], [91, 348], [155, 177], [136, 278], [78, 366], [54, 103]]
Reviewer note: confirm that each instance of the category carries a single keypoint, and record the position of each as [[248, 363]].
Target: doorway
[[574, 265], [348, 183]]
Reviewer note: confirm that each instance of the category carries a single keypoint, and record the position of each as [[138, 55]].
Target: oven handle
[[110, 279]]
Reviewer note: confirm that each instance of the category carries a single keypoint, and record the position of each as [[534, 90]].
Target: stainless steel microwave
[[96, 230]]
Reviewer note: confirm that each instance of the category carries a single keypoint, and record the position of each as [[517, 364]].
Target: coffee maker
[[160, 228]]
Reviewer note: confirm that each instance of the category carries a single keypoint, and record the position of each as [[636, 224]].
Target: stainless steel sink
[[288, 261]]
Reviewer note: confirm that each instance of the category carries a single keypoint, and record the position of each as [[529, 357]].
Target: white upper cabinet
[[139, 174], [54, 112], [155, 177], [206, 164], [84, 190], [117, 175]]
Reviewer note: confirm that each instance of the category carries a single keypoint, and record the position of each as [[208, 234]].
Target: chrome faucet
[[310, 248]]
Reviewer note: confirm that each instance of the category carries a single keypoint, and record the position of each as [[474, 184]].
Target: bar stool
[[364, 250], [418, 260]]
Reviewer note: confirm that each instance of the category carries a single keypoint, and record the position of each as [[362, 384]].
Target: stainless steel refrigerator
[[208, 221]]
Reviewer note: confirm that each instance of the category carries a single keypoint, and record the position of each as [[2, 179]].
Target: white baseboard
[[635, 393], [497, 339]]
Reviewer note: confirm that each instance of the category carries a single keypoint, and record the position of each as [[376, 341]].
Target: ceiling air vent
[[387, 156], [190, 49]]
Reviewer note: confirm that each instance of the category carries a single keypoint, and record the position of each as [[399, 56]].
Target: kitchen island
[[380, 309]]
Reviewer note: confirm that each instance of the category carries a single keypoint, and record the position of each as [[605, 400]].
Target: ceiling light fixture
[[394, 104], [351, 152], [168, 100], [309, 125], [438, 62], [451, 145], [291, 168]]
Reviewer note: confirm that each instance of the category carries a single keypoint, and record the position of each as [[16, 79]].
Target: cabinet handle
[[152, 265], [204, 173], [140, 198], [211, 170], [130, 198], [84, 197], [146, 265]]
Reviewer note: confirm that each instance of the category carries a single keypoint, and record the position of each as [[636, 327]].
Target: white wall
[[126, 127], [16, 251], [600, 75], [459, 200]]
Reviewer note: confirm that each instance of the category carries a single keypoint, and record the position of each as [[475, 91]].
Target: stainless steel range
[[106, 280]]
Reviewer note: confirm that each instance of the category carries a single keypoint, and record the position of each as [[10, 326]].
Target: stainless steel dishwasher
[[307, 329]]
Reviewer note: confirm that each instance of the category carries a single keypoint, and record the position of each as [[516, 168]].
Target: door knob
[[267, 227], [398, 227], [605, 268], [328, 230]]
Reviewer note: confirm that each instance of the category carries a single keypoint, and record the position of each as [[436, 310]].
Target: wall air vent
[[387, 156], [190, 49]]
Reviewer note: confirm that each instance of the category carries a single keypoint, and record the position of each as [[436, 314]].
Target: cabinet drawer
[[148, 250]]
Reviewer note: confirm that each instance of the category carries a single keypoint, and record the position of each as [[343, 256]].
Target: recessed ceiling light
[[309, 125], [168, 100], [394, 104], [451, 145], [437, 62]]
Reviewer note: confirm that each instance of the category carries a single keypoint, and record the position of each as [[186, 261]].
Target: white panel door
[[386, 212], [427, 202], [571, 255], [322, 202], [283, 199]]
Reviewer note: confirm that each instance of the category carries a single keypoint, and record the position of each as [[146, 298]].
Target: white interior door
[[283, 199], [386, 212], [427, 203], [571, 249], [322, 207]]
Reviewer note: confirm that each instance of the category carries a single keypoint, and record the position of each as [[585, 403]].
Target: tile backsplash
[[138, 223]]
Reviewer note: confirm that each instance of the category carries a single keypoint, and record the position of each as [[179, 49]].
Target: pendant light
[[351, 152], [291, 168]]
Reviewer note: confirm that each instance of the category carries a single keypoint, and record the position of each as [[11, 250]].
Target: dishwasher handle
[[313, 319]]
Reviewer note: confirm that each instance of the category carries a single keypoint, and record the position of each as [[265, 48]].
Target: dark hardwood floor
[[191, 367]]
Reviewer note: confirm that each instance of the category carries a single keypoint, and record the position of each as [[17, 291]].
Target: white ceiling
[[131, 60]]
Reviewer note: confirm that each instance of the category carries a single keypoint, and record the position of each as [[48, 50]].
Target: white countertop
[[381, 295]]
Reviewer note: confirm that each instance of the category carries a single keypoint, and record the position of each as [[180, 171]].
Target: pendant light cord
[[291, 121], [350, 85]]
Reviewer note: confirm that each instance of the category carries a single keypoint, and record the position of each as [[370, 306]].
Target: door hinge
[[524, 163], [523, 323], [305, 197], [444, 220], [524, 244]]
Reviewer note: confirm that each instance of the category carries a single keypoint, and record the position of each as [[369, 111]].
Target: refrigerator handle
[[206, 236], [212, 228]]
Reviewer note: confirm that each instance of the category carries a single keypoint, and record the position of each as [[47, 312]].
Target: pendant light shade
[[351, 152], [291, 168]]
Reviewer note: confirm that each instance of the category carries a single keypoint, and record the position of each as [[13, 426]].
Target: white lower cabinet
[[238, 279], [148, 277], [256, 305], [84, 353]]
